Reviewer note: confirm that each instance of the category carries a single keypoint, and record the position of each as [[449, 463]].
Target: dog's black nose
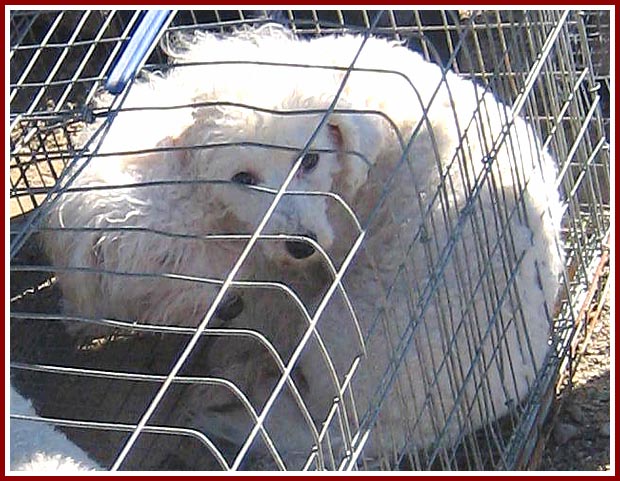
[[301, 249], [230, 307]]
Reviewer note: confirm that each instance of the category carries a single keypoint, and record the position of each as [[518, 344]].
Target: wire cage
[[356, 362]]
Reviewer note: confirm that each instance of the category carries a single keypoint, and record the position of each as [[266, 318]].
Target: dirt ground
[[580, 437]]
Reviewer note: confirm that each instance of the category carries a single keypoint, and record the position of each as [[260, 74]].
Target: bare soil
[[580, 433]]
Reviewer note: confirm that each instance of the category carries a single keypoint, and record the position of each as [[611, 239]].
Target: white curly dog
[[38, 446], [455, 280]]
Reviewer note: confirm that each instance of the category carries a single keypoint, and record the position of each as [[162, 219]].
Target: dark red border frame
[[6, 9]]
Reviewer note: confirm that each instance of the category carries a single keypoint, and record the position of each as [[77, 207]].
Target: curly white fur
[[40, 448], [469, 206]]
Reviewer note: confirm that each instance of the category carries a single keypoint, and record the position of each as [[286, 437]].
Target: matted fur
[[473, 201]]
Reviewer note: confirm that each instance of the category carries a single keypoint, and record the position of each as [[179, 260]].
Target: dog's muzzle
[[231, 306], [301, 249]]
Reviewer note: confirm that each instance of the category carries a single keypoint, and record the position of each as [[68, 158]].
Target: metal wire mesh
[[229, 391]]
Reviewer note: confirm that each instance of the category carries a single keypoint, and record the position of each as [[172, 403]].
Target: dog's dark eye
[[244, 178], [309, 161]]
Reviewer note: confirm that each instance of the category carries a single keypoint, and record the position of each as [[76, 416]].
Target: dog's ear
[[359, 138], [178, 157], [180, 149]]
